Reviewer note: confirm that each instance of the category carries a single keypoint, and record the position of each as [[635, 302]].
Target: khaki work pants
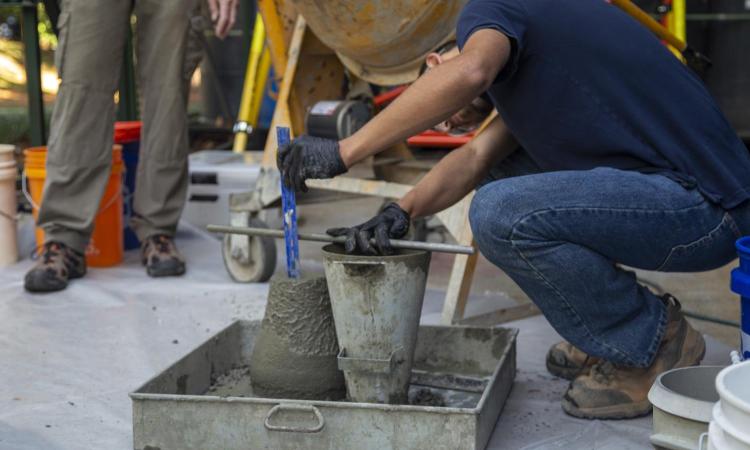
[[89, 58]]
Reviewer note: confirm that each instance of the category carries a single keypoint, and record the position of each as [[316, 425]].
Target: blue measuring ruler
[[289, 214]]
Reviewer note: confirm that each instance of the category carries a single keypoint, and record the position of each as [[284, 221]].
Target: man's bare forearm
[[444, 185], [433, 98], [459, 172]]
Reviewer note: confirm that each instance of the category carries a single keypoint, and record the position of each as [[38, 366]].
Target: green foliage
[[47, 38], [14, 124]]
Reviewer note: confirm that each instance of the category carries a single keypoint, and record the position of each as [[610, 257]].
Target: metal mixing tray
[[204, 400]]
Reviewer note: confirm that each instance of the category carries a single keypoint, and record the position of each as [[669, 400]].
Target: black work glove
[[309, 157], [391, 223]]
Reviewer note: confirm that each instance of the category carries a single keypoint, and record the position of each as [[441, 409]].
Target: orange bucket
[[105, 247]]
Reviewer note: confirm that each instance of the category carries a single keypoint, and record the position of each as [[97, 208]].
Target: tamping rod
[[395, 243]]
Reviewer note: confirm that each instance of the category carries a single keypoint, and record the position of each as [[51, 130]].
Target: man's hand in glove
[[309, 157], [391, 223]]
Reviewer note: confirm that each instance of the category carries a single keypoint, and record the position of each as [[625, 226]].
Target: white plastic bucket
[[7, 152], [683, 400], [716, 439], [724, 435], [8, 210], [730, 424]]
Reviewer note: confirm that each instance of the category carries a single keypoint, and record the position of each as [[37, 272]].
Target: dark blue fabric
[[558, 239], [587, 86]]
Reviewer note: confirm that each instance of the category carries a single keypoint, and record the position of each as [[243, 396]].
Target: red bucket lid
[[127, 131]]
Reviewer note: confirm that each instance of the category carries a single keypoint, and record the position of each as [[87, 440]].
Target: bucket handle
[[25, 190], [13, 219], [294, 429], [702, 441]]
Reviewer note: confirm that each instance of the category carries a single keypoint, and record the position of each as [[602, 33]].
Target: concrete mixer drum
[[382, 41]]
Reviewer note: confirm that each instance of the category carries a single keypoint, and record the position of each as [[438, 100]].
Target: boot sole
[[43, 284], [633, 410], [617, 412], [170, 270]]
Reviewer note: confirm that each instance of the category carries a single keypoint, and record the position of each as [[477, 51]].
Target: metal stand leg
[[32, 55]]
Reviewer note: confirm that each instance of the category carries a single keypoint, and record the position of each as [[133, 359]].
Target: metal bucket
[[377, 303]]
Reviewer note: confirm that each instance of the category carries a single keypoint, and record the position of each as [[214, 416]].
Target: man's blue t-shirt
[[587, 86]]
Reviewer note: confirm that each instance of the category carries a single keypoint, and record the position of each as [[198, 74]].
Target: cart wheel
[[254, 261]]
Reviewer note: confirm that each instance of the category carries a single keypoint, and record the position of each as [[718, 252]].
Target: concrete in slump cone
[[294, 356], [377, 303]]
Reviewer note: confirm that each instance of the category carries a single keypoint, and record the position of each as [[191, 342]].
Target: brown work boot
[[566, 361], [160, 256], [613, 392], [57, 264]]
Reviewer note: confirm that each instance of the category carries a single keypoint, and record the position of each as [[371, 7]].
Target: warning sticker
[[325, 108]]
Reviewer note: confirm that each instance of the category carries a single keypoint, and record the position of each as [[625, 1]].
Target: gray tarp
[[68, 360]]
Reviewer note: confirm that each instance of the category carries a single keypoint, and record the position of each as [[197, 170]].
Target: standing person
[[92, 38], [627, 160]]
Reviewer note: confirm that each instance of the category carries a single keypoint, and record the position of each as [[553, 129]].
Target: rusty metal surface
[[382, 41]]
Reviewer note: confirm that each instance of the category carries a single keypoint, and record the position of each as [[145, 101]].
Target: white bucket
[[716, 439], [8, 211], [683, 400], [730, 424], [7, 152]]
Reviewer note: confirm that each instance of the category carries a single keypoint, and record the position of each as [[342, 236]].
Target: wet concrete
[[296, 349], [426, 397], [235, 383]]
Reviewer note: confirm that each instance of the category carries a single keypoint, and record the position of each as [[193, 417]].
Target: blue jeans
[[561, 235]]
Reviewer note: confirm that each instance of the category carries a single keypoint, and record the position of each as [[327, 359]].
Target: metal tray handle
[[293, 429]]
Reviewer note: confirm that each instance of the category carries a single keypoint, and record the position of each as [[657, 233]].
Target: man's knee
[[489, 222], [501, 215]]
